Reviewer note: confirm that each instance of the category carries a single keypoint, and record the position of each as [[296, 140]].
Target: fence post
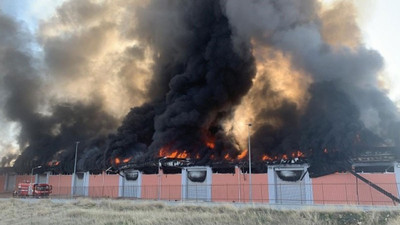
[[196, 192], [345, 189], [262, 195], [301, 193], [226, 187], [372, 198], [59, 181], [358, 198], [323, 194]]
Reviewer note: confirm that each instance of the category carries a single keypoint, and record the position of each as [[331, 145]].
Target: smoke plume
[[138, 80]]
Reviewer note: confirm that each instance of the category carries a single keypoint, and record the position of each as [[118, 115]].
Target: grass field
[[86, 211]]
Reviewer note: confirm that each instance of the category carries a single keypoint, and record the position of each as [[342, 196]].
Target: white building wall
[[289, 192], [80, 184], [194, 190], [130, 188], [396, 167]]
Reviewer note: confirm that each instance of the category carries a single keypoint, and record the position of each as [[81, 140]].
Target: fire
[[117, 161], [227, 157], [266, 158], [297, 154], [243, 154], [163, 152], [175, 154], [325, 151], [210, 144], [184, 154], [127, 160], [53, 163]]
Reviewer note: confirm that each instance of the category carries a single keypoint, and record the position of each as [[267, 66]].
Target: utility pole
[[250, 185], [74, 175]]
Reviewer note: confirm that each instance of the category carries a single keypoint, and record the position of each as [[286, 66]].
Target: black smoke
[[203, 65], [198, 86], [329, 126], [198, 91]]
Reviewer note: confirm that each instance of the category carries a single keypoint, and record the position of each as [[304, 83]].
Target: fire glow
[[241, 156], [53, 163], [174, 154], [297, 154], [119, 161]]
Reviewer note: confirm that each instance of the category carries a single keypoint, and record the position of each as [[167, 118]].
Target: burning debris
[[213, 67]]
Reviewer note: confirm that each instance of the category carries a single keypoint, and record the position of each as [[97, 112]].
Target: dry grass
[[86, 211]]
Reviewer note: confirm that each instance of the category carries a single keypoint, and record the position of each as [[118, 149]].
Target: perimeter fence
[[332, 193]]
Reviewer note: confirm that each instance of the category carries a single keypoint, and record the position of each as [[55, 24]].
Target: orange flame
[[243, 154], [210, 141], [175, 154], [297, 154], [127, 160], [227, 157], [162, 152], [117, 161], [184, 154], [53, 163], [266, 158], [325, 151], [210, 144]]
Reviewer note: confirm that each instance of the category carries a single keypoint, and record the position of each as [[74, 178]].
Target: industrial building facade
[[202, 184]]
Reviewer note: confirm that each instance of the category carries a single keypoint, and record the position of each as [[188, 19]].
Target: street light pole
[[159, 178], [250, 185], [74, 175], [34, 169]]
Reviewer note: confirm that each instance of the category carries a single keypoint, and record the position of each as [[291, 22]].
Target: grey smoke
[[203, 66], [43, 134], [344, 81]]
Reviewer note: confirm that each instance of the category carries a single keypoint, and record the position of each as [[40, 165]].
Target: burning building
[[311, 93]]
